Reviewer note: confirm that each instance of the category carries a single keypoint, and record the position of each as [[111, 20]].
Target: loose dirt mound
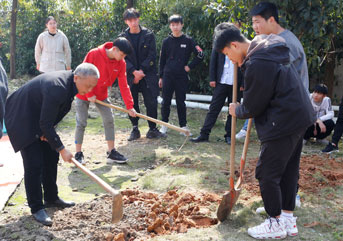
[[145, 215], [319, 171], [316, 172]]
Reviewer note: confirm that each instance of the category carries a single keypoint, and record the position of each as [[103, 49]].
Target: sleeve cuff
[[60, 148]]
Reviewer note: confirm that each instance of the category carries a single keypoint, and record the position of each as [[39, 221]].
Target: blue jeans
[[245, 126]]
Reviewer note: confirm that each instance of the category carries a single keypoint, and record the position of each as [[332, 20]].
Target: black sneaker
[[228, 140], [154, 133], [79, 157], [135, 134], [115, 157], [330, 148], [201, 138]]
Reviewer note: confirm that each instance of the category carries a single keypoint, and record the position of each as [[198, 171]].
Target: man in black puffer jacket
[[278, 101]]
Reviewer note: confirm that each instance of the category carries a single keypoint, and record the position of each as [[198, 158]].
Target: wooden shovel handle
[[97, 179], [245, 147], [186, 132], [244, 155], [233, 130]]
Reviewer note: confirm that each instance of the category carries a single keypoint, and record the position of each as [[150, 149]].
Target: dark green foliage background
[[87, 24]]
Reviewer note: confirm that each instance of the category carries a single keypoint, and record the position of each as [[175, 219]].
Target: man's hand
[[42, 138], [66, 155], [38, 65], [232, 109], [321, 126], [139, 74], [160, 83], [92, 99], [213, 84], [132, 112], [187, 69]]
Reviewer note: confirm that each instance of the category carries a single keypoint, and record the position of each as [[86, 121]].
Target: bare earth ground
[[171, 194]]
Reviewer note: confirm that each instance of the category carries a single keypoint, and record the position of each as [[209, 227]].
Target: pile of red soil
[[316, 172], [145, 215], [319, 171]]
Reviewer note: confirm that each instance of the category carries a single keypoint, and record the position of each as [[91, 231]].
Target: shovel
[[186, 132], [117, 199], [229, 198]]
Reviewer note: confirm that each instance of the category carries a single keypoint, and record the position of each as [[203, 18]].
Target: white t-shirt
[[227, 76]]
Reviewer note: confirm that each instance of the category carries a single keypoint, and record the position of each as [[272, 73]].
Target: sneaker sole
[[292, 234], [330, 151], [276, 237], [266, 237], [110, 161]]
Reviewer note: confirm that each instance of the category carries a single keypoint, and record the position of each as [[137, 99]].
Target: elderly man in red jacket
[[109, 59]]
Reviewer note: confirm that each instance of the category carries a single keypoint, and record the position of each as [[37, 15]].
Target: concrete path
[[12, 171]]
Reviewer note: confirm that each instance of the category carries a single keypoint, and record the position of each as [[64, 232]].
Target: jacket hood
[[269, 47], [107, 45]]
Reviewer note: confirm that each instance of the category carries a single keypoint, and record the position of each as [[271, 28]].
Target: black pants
[[320, 135], [150, 102], [338, 131], [220, 93], [179, 85], [277, 171], [40, 170]]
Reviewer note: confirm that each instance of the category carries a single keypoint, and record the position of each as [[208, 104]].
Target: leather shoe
[[59, 203], [201, 138], [42, 217], [228, 140]]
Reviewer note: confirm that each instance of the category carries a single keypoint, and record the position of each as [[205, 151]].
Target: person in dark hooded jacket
[[278, 101]]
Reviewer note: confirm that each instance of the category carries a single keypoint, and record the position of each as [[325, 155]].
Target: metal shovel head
[[226, 205], [117, 208]]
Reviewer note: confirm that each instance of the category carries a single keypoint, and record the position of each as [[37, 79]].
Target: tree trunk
[[13, 38], [130, 3], [329, 76]]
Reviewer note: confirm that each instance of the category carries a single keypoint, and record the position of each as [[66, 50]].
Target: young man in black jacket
[[174, 67], [141, 71], [32, 112], [273, 95]]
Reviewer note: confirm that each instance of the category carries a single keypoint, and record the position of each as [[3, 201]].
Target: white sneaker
[[260, 210], [290, 225], [271, 228], [164, 130], [241, 134], [187, 129]]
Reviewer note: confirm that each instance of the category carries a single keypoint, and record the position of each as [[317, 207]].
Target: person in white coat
[[52, 50]]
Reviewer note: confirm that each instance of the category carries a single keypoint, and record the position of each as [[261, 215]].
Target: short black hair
[[265, 10], [321, 89], [130, 13], [175, 18], [123, 45], [48, 19], [224, 34]]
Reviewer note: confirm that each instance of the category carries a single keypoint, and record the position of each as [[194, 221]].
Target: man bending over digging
[[278, 101]]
